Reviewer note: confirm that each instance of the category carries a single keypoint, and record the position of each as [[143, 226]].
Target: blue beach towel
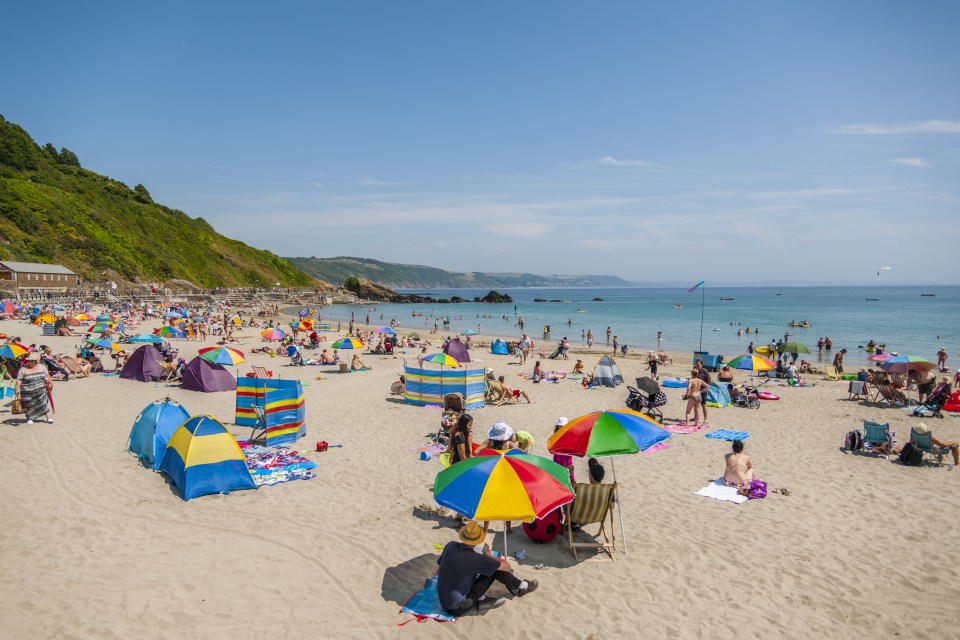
[[426, 604], [726, 434], [674, 383]]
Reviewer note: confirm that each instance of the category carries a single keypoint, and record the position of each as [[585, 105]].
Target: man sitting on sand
[[326, 357], [463, 575]]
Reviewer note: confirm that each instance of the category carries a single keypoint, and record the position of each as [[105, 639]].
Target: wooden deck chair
[[898, 380], [857, 390], [593, 504], [71, 365], [169, 368], [830, 373], [260, 372], [258, 433], [890, 396]]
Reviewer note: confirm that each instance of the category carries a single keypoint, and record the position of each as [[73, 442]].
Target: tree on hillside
[[352, 284], [68, 157], [142, 195]]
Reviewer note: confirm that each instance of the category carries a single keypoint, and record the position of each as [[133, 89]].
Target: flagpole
[[703, 297]]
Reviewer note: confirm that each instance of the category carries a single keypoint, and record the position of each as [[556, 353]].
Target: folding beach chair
[[857, 390], [924, 442], [260, 372], [877, 433], [258, 432], [169, 368], [593, 504], [830, 373], [890, 396], [73, 367]]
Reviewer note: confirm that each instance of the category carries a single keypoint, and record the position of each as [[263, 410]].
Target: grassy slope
[[51, 212], [391, 275]]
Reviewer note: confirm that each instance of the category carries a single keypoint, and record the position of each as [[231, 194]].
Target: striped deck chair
[[898, 380], [889, 396], [593, 504], [857, 390], [260, 372], [879, 378]]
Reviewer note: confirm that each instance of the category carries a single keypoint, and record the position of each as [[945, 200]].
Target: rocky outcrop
[[494, 297]]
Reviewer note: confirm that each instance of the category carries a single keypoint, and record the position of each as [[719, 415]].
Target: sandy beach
[[97, 546]]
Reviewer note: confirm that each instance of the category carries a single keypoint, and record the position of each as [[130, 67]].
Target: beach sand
[[96, 546]]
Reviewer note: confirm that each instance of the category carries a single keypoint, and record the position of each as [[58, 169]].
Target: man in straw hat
[[464, 574], [954, 446]]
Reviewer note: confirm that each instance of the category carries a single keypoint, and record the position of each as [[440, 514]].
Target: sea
[[911, 320]]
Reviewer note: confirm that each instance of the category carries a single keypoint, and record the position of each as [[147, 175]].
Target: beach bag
[[17, 406], [910, 455], [853, 441], [758, 490]]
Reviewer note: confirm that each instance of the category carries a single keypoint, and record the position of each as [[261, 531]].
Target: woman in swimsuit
[[739, 471], [695, 388]]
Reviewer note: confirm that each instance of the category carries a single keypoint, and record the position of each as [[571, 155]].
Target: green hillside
[[53, 210], [396, 276], [407, 276]]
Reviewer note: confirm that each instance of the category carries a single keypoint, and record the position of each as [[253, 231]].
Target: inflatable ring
[[766, 395]]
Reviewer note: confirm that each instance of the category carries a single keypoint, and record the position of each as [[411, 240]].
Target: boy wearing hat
[[464, 575]]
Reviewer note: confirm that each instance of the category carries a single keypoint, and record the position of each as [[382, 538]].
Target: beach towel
[[719, 491], [683, 427], [674, 383], [726, 434], [660, 446], [425, 604]]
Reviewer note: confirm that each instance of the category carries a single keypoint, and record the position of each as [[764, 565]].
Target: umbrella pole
[[505, 554], [623, 535]]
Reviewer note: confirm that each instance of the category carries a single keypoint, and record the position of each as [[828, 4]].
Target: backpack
[[853, 441], [910, 455]]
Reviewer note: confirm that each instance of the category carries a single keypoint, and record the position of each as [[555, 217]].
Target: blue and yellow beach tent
[[153, 428], [202, 458]]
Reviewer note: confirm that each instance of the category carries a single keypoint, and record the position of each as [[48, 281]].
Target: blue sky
[[654, 141]]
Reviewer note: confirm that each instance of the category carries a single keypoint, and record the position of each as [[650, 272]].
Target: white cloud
[[926, 126], [920, 163], [610, 161]]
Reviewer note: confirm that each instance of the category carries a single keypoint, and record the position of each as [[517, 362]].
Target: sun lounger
[[857, 390], [888, 396]]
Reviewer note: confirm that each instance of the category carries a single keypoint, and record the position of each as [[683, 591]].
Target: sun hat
[[33, 355], [922, 428], [500, 431], [562, 421], [524, 439], [472, 534]]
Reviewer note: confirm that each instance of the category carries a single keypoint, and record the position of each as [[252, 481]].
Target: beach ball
[[544, 529]]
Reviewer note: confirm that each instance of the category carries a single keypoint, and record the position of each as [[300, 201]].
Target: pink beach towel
[[660, 446], [682, 427]]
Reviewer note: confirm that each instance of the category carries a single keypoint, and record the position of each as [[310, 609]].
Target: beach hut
[[607, 373], [152, 430], [200, 375], [144, 365], [283, 406], [457, 350], [499, 347], [203, 458], [428, 386]]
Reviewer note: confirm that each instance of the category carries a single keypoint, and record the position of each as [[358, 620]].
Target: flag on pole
[[695, 287]]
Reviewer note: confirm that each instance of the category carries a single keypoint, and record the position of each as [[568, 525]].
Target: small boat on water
[[798, 324], [581, 310], [726, 298], [872, 299], [928, 295], [678, 306]]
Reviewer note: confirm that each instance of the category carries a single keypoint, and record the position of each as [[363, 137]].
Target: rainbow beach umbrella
[[83, 317], [442, 359], [100, 326], [752, 362], [170, 332], [273, 334], [347, 343], [13, 351], [386, 330], [508, 485], [614, 432], [221, 355], [103, 343]]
